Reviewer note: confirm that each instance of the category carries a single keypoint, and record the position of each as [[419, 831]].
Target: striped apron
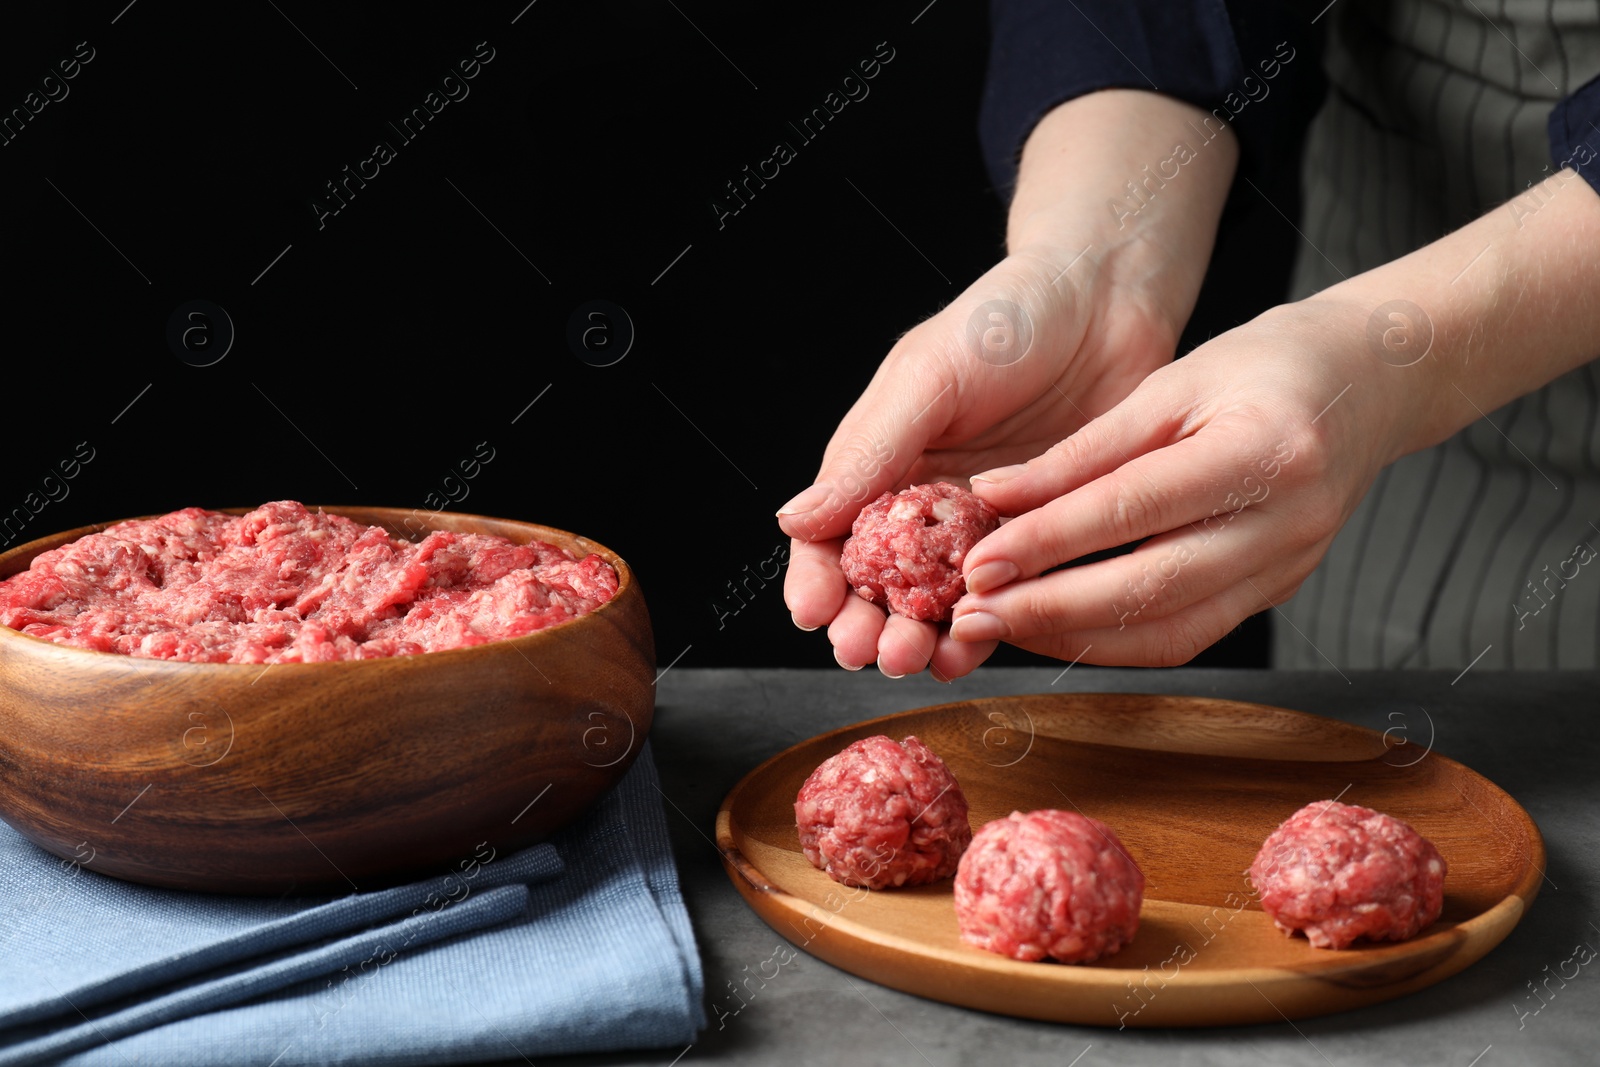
[[1482, 550]]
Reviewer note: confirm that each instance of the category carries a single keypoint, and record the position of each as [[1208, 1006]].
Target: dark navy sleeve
[[1218, 56], [1574, 139]]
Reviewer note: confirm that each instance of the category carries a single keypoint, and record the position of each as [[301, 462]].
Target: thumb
[[874, 448]]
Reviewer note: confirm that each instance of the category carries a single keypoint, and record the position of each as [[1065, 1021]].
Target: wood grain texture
[[1192, 786], [243, 779]]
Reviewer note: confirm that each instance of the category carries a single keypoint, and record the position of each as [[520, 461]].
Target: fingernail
[[807, 629], [991, 575], [807, 500], [1000, 474], [886, 674], [978, 626], [846, 666]]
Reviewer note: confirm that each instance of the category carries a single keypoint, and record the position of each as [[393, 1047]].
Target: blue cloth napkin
[[581, 944]]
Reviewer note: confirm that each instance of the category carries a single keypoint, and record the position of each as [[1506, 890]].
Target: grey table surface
[[1533, 733]]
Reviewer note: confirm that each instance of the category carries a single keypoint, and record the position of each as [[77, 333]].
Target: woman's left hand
[[1235, 466]]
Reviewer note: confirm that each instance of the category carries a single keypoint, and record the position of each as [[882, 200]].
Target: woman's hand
[[1238, 464], [1235, 466], [1087, 304], [937, 410]]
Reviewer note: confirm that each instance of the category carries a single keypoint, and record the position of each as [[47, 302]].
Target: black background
[[392, 338]]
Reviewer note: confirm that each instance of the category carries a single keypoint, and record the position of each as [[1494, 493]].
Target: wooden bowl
[[248, 779]]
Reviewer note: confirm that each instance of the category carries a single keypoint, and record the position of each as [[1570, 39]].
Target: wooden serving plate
[[249, 779], [1192, 786]]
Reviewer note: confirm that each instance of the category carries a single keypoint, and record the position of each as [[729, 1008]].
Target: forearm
[[1136, 177], [1480, 317]]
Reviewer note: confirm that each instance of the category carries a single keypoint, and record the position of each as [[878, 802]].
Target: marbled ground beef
[[284, 584], [883, 813], [1341, 872], [906, 549], [1048, 885]]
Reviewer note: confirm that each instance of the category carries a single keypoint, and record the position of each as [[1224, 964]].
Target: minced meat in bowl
[[278, 775], [284, 583]]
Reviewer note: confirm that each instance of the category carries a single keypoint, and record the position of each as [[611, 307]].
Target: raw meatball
[[1051, 884], [883, 813], [1339, 872], [907, 548]]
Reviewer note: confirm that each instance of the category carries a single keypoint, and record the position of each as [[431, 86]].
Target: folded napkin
[[581, 944]]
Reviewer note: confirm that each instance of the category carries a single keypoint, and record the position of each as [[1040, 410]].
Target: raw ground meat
[[883, 813], [1340, 872], [907, 548], [1053, 884], [283, 584]]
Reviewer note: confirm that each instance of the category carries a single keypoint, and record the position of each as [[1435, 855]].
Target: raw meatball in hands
[[1079, 312], [906, 548]]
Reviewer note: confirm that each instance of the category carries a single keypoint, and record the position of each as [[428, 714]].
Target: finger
[[954, 659], [1200, 480], [943, 371], [1170, 641], [814, 587], [1164, 575], [882, 435], [905, 646], [1142, 423], [854, 633]]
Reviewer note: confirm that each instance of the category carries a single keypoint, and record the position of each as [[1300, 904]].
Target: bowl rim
[[31, 549]]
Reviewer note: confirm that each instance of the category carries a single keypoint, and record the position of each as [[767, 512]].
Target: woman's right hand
[[1089, 302]]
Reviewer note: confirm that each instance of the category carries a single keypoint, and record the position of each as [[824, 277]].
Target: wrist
[[1142, 211], [1364, 394], [1486, 314]]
